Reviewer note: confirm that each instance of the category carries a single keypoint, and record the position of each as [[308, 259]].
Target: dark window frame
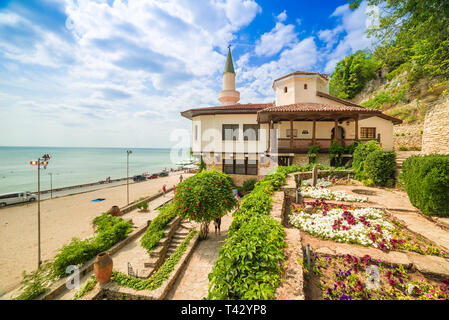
[[368, 133], [248, 167], [255, 127], [235, 134]]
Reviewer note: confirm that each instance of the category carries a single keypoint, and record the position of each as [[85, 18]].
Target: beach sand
[[61, 219]]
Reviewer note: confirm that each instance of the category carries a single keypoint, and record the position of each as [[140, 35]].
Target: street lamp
[[38, 163], [128, 152]]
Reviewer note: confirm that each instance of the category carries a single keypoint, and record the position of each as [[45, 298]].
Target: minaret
[[229, 95]]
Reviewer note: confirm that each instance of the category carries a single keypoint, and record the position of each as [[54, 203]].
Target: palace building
[[249, 139]]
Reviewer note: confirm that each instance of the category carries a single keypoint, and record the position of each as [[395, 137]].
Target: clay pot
[[114, 211], [103, 267]]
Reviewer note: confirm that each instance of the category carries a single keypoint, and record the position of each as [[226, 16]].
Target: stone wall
[[436, 129]]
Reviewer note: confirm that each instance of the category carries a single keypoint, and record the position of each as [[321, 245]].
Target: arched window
[[285, 89], [305, 86]]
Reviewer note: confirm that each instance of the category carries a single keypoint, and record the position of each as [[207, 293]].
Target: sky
[[117, 73]]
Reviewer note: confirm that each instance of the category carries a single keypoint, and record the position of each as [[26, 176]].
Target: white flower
[[327, 194]]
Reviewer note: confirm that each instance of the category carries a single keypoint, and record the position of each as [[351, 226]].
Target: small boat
[[184, 163]]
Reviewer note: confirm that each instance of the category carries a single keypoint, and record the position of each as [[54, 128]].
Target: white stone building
[[248, 139]]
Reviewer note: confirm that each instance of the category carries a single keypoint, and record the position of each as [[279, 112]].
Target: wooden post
[[291, 133], [314, 175], [336, 130], [357, 127], [314, 132], [269, 136]]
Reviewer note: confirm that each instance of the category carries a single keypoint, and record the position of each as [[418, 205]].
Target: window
[[285, 89], [230, 132], [295, 133], [305, 86], [251, 132], [240, 166], [305, 131], [367, 133]]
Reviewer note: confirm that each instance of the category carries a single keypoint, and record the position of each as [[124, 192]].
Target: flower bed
[[327, 194], [350, 278], [364, 226], [326, 182]]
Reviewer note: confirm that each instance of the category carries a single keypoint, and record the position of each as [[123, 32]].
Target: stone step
[[156, 252]]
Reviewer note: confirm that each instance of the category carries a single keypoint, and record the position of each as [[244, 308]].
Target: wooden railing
[[302, 145]]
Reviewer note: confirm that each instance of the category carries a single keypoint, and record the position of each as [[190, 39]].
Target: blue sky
[[116, 73]]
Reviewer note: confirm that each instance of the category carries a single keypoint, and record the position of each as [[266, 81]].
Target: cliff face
[[424, 111]]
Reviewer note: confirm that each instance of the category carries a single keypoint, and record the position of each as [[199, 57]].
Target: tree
[[204, 197], [352, 73]]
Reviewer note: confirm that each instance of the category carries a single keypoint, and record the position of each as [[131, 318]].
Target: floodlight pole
[[39, 262]]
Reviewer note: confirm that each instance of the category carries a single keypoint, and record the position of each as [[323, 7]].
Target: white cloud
[[272, 42], [348, 37], [282, 16], [117, 67]]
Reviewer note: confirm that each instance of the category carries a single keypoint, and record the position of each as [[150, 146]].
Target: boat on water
[[184, 163]]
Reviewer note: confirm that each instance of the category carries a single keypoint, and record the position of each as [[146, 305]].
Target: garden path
[[133, 252], [193, 282]]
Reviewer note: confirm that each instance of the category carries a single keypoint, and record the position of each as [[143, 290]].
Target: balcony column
[[270, 127], [336, 130], [356, 127], [291, 133]]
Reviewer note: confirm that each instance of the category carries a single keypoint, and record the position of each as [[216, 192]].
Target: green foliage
[[351, 148], [248, 185], [162, 274], [143, 206], [90, 284], [352, 73], [385, 99], [35, 283], [109, 231], [380, 167], [426, 180], [202, 165], [359, 157], [414, 34], [336, 151], [312, 151], [156, 229], [249, 267], [249, 264], [205, 196]]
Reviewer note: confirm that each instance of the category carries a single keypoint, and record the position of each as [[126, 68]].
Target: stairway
[[178, 237], [401, 156]]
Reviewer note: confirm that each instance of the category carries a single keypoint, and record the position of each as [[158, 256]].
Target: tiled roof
[[344, 101], [234, 108], [317, 107]]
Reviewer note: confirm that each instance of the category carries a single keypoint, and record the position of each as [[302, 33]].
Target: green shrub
[[359, 157], [248, 185], [426, 180], [336, 151], [109, 231], [380, 167], [143, 206], [351, 148], [156, 229], [249, 264]]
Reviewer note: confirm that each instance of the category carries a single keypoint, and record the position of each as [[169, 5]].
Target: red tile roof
[[317, 107], [234, 108]]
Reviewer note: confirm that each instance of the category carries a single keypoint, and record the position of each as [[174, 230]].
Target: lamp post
[[38, 163], [128, 152]]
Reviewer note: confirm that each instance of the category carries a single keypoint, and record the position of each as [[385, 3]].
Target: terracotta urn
[[114, 211], [103, 267]]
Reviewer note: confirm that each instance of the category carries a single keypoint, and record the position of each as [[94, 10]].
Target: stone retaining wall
[[436, 129]]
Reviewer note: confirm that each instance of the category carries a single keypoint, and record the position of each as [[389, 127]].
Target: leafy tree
[[352, 73], [204, 197], [412, 32]]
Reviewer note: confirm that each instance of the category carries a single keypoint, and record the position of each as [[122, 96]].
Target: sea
[[75, 166]]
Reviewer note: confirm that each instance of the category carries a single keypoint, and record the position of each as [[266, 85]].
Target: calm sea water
[[73, 166]]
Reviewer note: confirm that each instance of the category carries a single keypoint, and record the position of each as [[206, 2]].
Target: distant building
[[248, 139]]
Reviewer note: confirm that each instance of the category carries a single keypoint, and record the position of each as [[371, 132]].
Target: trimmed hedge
[[155, 231], [380, 167], [359, 156], [249, 263], [426, 180]]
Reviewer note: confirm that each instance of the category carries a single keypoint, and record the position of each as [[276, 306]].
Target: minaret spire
[[229, 95]]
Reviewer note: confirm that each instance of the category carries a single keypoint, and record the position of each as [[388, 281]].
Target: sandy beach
[[61, 219]]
